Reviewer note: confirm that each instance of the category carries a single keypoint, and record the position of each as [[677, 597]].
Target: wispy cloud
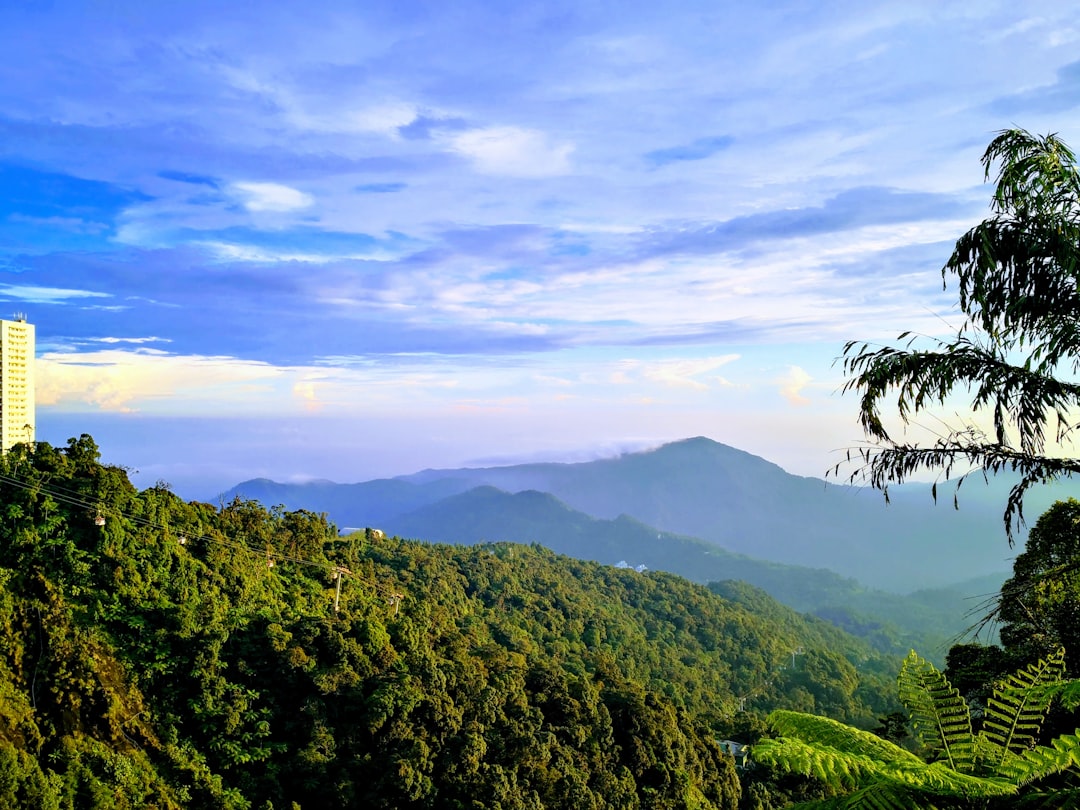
[[512, 151], [47, 295], [271, 197], [190, 178], [688, 373], [133, 340], [125, 381], [380, 188], [1058, 96]]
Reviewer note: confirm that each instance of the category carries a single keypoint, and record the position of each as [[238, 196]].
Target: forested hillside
[[156, 653], [929, 620]]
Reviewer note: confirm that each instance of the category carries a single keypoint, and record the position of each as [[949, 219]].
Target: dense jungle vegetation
[[157, 653]]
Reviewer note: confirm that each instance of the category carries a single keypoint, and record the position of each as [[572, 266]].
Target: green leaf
[[1015, 712], [938, 713]]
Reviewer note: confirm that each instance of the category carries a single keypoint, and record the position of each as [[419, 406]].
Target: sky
[[354, 240]]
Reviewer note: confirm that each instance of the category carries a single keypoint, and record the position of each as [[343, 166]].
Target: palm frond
[[1018, 279], [957, 453]]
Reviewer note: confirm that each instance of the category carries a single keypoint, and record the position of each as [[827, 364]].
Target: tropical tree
[[1017, 274], [957, 767], [1039, 606]]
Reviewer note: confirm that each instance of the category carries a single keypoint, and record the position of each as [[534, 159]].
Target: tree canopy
[[157, 653], [1017, 348], [1040, 604]]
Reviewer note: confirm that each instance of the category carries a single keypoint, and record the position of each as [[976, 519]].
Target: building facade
[[17, 409]]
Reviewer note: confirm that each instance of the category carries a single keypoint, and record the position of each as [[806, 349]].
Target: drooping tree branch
[[1018, 276]]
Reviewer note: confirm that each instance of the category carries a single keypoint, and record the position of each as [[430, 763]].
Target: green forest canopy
[[180, 654]]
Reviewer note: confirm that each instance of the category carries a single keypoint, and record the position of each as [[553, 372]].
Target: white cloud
[[383, 118], [272, 197], [676, 372], [380, 119], [47, 295], [120, 380], [253, 253], [306, 391], [512, 151], [130, 340], [792, 385], [686, 372], [585, 227], [306, 108]]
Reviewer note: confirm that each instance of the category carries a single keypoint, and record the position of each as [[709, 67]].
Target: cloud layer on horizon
[[289, 212]]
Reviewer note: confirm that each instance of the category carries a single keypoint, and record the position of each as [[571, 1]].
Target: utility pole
[[339, 575]]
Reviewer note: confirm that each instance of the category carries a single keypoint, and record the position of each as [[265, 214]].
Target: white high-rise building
[[16, 383]]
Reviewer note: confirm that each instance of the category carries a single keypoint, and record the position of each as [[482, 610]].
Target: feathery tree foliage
[[957, 768], [1017, 273]]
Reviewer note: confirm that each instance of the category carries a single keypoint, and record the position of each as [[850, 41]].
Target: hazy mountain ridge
[[927, 620], [706, 490], [711, 512]]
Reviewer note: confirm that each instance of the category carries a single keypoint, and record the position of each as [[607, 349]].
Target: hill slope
[[927, 620], [180, 655]]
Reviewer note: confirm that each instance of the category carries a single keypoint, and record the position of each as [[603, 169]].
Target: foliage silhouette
[[1017, 282]]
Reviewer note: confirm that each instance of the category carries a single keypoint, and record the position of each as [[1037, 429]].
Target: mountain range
[[910, 573], [695, 489]]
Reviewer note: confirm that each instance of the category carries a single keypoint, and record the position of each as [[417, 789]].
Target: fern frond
[[942, 780], [1056, 799], [939, 714], [823, 731], [878, 796], [837, 769], [1042, 761], [857, 773], [1016, 711], [1068, 692], [874, 797]]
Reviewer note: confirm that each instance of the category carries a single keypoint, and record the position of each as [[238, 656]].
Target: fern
[[942, 780], [1016, 711], [1057, 799], [879, 774], [844, 738], [874, 774], [840, 770], [1041, 761], [879, 796], [938, 713], [883, 796], [1067, 692]]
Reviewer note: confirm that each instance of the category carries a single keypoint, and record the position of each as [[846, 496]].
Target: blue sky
[[348, 240]]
